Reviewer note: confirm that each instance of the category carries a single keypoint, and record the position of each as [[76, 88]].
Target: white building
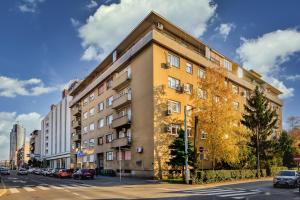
[[55, 134]]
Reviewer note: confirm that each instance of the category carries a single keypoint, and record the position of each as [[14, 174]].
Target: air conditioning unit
[[166, 65], [168, 112], [160, 26], [139, 149], [179, 89]]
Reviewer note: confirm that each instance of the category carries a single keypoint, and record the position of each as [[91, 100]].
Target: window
[[92, 111], [109, 83], [174, 129], [121, 134], [127, 155], [173, 106], [109, 101], [236, 105], [226, 82], [173, 60], [101, 89], [202, 94], [201, 72], [189, 110], [92, 142], [85, 101], [84, 158], [85, 129], [100, 123], [203, 135], [109, 119], [100, 140], [188, 88], [216, 99], [173, 82], [189, 68], [108, 138], [84, 144], [92, 97], [189, 131], [109, 155], [92, 158], [227, 65], [120, 155], [85, 115], [92, 127], [235, 89], [101, 106]]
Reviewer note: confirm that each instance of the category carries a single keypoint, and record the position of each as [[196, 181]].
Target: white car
[[287, 178], [22, 171]]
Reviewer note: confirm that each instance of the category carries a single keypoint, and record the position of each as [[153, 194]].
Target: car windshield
[[286, 173]]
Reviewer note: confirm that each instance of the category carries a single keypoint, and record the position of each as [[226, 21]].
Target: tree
[[286, 149], [261, 120], [217, 109], [294, 122], [178, 152]]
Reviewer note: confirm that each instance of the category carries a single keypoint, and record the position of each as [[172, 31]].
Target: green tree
[[178, 152], [286, 149], [261, 120]]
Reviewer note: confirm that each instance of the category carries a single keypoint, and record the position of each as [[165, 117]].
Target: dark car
[[64, 173], [84, 174]]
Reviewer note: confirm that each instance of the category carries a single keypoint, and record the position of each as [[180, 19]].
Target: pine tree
[[178, 152], [260, 119], [286, 149]]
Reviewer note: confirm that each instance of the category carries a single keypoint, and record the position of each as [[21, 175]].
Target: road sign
[[80, 154], [296, 158]]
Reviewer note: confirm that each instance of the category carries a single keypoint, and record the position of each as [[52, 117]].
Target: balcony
[[121, 101], [76, 124], [121, 142], [76, 137], [76, 111], [121, 80], [121, 121]]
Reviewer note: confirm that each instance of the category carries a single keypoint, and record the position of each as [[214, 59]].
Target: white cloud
[[92, 4], [29, 5], [10, 87], [225, 29], [111, 23], [267, 53], [287, 92], [30, 121], [74, 22], [293, 77]]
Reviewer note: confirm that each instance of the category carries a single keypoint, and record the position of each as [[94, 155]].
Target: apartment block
[[128, 110], [17, 143], [35, 144]]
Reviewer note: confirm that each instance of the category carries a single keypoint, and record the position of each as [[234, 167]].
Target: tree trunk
[[258, 159]]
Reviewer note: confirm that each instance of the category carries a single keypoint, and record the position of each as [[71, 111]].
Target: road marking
[[55, 187], [239, 194], [42, 187], [28, 189], [13, 190]]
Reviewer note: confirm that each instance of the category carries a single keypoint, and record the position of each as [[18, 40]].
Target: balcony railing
[[121, 142], [121, 80], [76, 111], [76, 137], [121, 101], [76, 124], [121, 121]]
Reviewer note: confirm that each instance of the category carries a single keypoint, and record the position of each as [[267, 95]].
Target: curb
[[4, 190]]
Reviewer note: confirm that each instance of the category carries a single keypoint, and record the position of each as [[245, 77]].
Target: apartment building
[[35, 144], [17, 142], [55, 134], [123, 112]]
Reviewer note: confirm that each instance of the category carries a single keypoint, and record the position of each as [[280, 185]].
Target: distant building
[[23, 156], [17, 142], [35, 145], [4, 163]]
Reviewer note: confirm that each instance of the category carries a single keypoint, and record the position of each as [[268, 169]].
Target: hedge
[[211, 176]]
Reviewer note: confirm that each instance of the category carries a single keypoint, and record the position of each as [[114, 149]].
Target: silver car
[[287, 178]]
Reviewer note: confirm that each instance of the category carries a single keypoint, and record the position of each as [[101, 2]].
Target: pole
[[120, 164], [196, 140], [187, 174], [258, 161]]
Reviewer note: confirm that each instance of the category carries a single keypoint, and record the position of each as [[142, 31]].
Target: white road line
[[86, 185], [13, 190], [221, 193], [28, 189], [206, 191], [240, 194], [55, 187], [42, 187]]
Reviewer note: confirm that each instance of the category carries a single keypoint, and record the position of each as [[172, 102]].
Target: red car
[[64, 173]]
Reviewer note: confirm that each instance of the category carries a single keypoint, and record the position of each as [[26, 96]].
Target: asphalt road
[[43, 188]]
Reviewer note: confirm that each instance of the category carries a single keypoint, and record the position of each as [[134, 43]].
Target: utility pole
[[196, 139], [187, 173]]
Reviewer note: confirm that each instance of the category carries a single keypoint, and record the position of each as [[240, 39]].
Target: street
[[39, 187]]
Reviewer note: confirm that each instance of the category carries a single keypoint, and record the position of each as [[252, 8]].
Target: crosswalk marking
[[13, 190], [238, 194], [28, 189], [55, 187], [42, 187]]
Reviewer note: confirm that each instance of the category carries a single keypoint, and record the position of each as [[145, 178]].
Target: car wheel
[[274, 185]]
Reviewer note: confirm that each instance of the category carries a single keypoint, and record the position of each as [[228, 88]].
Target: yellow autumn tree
[[216, 106]]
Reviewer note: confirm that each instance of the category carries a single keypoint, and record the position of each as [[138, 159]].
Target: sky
[[44, 44]]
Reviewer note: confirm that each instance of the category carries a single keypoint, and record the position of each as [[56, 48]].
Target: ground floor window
[[109, 155]]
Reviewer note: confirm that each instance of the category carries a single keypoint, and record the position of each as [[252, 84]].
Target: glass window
[[92, 158], [173, 82], [174, 129], [201, 72], [85, 129], [216, 99], [203, 135], [84, 144], [189, 68], [92, 97], [109, 155], [84, 158], [92, 127], [85, 101], [202, 94], [127, 155], [101, 106], [109, 83], [188, 88], [100, 123], [120, 155], [235, 89], [227, 65], [85, 115], [173, 60], [92, 111], [109, 101], [109, 138], [173, 106], [100, 140], [109, 119], [236, 105], [92, 142], [101, 89]]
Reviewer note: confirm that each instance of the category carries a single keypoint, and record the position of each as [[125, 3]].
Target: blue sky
[[46, 43]]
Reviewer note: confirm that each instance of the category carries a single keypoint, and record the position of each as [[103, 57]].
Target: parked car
[[46, 172], [37, 171], [30, 170], [287, 178], [4, 171], [22, 171], [83, 174], [54, 172], [64, 173]]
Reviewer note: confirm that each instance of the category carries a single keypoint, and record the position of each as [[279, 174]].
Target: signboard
[[80, 154], [296, 158]]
